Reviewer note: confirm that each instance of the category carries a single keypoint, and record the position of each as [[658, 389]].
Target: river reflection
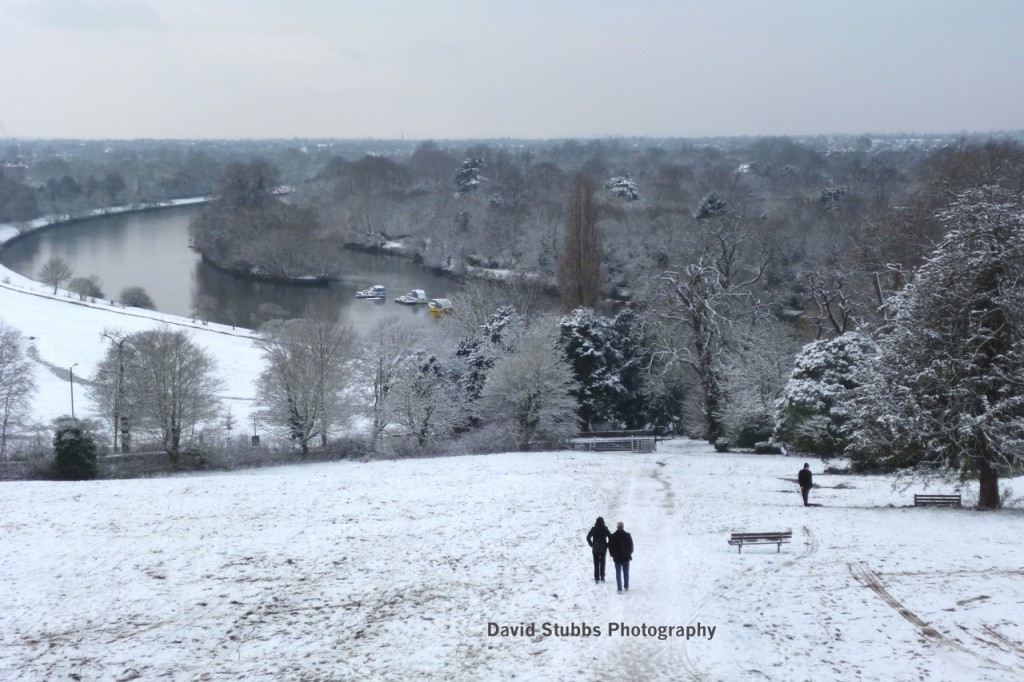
[[151, 250]]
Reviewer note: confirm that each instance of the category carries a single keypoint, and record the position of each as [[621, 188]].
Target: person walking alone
[[597, 538], [804, 478], [620, 546]]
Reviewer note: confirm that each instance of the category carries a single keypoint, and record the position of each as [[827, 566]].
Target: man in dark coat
[[620, 546], [804, 479], [597, 538]]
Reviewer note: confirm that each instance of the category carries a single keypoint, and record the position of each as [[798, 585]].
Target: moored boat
[[439, 306], [375, 292], [414, 297]]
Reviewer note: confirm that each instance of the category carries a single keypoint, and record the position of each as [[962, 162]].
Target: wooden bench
[[776, 538], [936, 500]]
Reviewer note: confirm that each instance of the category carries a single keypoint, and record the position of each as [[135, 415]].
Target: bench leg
[[778, 548]]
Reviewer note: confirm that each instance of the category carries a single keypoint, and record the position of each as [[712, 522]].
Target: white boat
[[374, 292], [414, 297]]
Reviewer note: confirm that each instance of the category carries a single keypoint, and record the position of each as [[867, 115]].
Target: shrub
[[75, 450], [136, 297]]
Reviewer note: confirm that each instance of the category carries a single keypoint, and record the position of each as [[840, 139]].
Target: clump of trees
[[86, 287], [249, 228]]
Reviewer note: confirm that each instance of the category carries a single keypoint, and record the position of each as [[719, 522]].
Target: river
[[150, 249]]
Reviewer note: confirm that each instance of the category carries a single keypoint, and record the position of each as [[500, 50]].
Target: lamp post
[[71, 379]]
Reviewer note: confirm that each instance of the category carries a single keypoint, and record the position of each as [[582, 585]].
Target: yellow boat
[[439, 306]]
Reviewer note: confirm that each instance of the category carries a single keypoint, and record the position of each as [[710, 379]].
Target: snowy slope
[[393, 571], [63, 331]]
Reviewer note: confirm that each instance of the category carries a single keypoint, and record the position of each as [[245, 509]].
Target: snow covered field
[[395, 569], [400, 570]]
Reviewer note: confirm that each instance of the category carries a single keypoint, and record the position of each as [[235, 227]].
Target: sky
[[458, 69]]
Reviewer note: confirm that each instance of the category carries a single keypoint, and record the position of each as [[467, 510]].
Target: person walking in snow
[[597, 538], [620, 546], [804, 479]]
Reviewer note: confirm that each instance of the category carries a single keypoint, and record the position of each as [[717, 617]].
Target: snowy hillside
[[61, 331], [394, 571]]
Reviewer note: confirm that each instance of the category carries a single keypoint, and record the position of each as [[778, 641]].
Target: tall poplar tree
[[579, 267]]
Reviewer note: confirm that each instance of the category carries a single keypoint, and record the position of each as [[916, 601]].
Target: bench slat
[[937, 500]]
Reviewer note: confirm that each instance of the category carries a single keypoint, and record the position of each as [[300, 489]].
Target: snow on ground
[[61, 331], [394, 570]]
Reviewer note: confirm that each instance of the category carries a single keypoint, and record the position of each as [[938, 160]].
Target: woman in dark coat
[[597, 538]]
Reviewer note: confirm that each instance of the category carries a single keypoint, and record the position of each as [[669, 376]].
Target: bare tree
[[174, 386], [109, 389], [478, 300], [305, 371], [16, 384], [388, 350], [427, 401], [579, 267], [702, 300], [86, 287], [55, 272]]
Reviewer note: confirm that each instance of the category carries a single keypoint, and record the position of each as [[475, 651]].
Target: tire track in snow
[[863, 574]]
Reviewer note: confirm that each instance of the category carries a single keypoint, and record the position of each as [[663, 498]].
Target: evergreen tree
[[946, 396], [75, 449], [467, 178], [815, 406]]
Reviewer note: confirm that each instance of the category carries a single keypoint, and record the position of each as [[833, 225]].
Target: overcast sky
[[443, 69]]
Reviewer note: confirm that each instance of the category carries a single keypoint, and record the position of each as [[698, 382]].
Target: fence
[[610, 443]]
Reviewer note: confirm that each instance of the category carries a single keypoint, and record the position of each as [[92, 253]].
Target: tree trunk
[[988, 489]]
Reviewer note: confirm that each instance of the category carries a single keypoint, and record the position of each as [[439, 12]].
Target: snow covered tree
[[698, 304], [711, 206], [427, 401], [494, 339], [623, 187], [528, 394], [17, 384], [55, 272], [579, 271], [755, 376], [467, 178], [946, 396], [816, 403], [298, 389], [167, 387], [387, 351], [611, 359], [75, 450]]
